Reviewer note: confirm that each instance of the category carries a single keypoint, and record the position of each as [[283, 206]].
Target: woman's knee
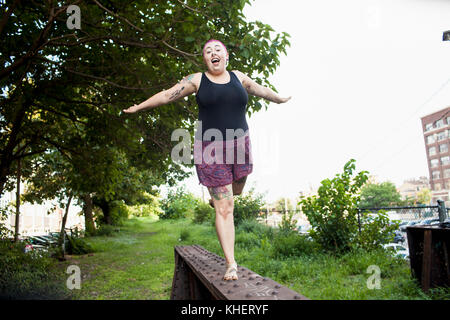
[[224, 208]]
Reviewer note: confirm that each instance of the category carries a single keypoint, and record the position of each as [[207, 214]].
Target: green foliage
[[203, 212], [375, 195], [78, 246], [285, 245], [106, 230], [288, 223], [333, 212], [31, 275], [280, 204], [118, 212], [5, 232], [252, 226], [65, 93], [185, 234], [178, 204], [376, 230], [424, 196], [151, 207], [247, 206]]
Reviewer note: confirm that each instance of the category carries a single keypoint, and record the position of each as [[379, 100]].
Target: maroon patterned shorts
[[219, 163]]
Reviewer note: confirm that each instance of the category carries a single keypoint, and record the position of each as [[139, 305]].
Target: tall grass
[[138, 263]]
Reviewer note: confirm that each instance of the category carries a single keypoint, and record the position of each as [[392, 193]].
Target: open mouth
[[215, 61]]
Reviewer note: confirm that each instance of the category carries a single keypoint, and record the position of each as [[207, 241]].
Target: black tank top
[[222, 106]]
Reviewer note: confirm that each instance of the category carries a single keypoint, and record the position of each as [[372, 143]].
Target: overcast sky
[[362, 73]]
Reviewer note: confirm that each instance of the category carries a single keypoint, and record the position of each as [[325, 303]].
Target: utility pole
[[16, 227]]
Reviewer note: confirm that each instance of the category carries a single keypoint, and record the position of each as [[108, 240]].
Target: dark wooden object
[[429, 255], [198, 276]]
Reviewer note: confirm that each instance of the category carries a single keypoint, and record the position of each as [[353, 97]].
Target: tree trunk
[[6, 158], [63, 226], [16, 227], [88, 216], [106, 212]]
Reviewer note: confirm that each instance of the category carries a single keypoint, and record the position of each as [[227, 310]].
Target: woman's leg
[[224, 204], [239, 185], [237, 188]]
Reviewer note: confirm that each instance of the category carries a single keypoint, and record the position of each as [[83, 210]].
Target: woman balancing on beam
[[222, 99]]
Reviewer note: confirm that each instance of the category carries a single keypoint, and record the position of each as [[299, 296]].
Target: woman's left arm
[[258, 90]]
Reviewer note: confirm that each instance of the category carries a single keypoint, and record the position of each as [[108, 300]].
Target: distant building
[[410, 188], [436, 133], [40, 219]]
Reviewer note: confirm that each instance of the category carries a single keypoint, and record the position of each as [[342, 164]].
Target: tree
[[124, 52], [280, 204], [384, 194], [424, 196]]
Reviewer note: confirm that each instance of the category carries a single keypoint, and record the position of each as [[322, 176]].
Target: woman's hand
[[283, 100], [132, 109]]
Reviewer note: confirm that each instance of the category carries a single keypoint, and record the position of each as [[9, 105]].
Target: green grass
[[138, 263]]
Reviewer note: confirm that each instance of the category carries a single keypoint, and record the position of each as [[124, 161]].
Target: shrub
[[31, 275], [105, 230], [203, 212], [119, 212], [178, 204], [376, 230], [150, 208], [185, 234], [288, 223], [253, 226], [333, 212], [248, 206], [78, 246], [247, 240], [286, 245]]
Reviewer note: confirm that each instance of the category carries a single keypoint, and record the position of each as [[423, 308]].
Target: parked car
[[428, 221], [397, 250], [409, 224], [399, 237]]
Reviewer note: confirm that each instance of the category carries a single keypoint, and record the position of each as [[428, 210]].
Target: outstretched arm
[[182, 89], [258, 90]]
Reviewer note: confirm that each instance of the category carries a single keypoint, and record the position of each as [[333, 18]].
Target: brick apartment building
[[436, 132]]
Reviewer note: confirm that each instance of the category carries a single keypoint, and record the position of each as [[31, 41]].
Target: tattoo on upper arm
[[176, 94]]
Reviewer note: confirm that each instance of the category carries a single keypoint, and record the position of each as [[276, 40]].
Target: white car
[[397, 249]]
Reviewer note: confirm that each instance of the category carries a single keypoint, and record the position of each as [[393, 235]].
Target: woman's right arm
[[182, 89]]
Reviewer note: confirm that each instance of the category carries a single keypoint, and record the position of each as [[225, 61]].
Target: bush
[[106, 230], [248, 206], [118, 212], [178, 204], [185, 234], [150, 208], [288, 223], [376, 230], [253, 226], [286, 245], [78, 246], [333, 212], [203, 212], [247, 240], [31, 275]]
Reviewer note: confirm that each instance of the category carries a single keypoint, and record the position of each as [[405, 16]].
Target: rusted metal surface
[[198, 275], [429, 255]]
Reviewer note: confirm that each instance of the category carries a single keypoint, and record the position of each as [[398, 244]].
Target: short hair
[[211, 40]]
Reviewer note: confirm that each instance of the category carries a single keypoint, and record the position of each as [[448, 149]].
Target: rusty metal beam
[[198, 275]]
